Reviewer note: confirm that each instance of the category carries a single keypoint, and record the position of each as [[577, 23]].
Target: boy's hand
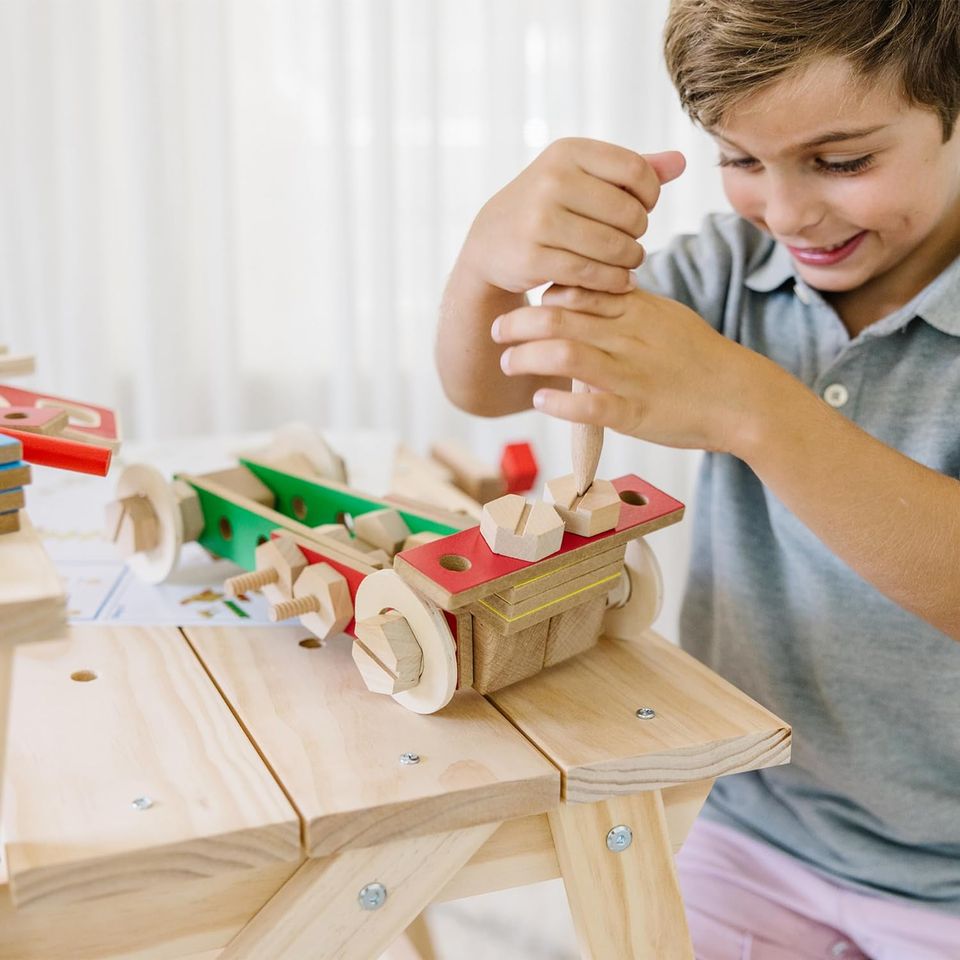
[[572, 217], [658, 370]]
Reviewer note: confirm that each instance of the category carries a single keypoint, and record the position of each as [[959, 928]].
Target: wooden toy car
[[430, 607]]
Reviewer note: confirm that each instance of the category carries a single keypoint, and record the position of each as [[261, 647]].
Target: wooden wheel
[[637, 601], [385, 590], [156, 564]]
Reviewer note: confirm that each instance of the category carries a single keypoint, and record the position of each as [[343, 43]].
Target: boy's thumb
[[667, 165]]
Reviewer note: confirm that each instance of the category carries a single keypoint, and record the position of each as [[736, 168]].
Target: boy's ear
[[667, 165]]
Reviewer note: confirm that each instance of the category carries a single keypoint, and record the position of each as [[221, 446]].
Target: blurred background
[[220, 215]]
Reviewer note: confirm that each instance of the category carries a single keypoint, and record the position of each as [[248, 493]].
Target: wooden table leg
[[414, 944], [317, 914], [626, 903]]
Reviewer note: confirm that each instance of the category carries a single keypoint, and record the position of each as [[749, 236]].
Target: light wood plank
[[317, 915], [627, 903], [149, 725], [582, 715], [183, 920], [336, 747]]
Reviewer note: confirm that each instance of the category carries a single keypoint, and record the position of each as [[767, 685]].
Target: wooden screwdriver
[[587, 443]]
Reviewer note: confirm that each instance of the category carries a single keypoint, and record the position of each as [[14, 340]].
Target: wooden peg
[[587, 444]]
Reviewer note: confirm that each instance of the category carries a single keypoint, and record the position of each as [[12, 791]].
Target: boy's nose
[[791, 209]]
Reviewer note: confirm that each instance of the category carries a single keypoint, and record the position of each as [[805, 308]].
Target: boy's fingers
[[667, 165], [593, 240], [602, 201], [526, 324], [583, 301], [573, 270]]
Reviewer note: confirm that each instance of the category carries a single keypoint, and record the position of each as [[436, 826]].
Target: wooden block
[[336, 749], [518, 467], [388, 639], [63, 453], [575, 631], [582, 715], [11, 450], [470, 474], [500, 659], [594, 512], [16, 365], [12, 500], [188, 503], [244, 484], [384, 528], [608, 574], [14, 475], [461, 568], [88, 423], [120, 713], [464, 626], [540, 583], [512, 527], [486, 611], [45, 420], [10, 521], [418, 539]]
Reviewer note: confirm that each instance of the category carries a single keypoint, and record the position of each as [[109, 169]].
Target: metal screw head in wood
[[141, 803], [408, 759], [372, 896], [646, 713], [619, 838]]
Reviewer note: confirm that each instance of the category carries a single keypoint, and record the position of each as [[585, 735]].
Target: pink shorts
[[748, 901]]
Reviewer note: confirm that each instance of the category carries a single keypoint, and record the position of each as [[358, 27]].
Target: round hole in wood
[[262, 539], [454, 562], [299, 507], [346, 519], [83, 676], [311, 643], [634, 498], [17, 415], [226, 528]]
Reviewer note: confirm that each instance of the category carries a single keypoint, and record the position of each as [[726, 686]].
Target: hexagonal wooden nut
[[384, 528], [278, 561], [596, 511], [515, 528], [388, 640], [321, 598]]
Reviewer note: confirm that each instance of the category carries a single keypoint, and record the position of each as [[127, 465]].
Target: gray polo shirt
[[872, 795]]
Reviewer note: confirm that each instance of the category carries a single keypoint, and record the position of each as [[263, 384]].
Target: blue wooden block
[[16, 474], [10, 449]]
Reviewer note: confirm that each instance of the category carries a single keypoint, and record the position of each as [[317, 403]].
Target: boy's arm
[[893, 520], [661, 373], [572, 216]]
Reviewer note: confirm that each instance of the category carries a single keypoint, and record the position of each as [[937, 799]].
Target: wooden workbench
[[228, 793]]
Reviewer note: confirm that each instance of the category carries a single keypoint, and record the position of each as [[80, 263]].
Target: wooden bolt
[[387, 653], [588, 514], [131, 523], [513, 527], [278, 561], [321, 598]]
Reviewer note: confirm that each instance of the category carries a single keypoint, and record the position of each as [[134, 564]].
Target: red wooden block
[[519, 467], [642, 503], [87, 422]]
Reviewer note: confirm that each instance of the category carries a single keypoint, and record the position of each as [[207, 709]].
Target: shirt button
[[836, 395]]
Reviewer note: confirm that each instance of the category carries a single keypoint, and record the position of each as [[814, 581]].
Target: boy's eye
[[845, 166], [738, 163]]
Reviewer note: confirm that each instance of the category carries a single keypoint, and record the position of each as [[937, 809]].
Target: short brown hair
[[720, 51]]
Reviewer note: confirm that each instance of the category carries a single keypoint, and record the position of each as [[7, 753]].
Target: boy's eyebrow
[[831, 136]]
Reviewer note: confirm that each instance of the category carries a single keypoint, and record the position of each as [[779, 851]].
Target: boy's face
[[854, 181]]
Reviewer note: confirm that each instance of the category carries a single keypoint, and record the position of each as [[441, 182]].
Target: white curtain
[[218, 215]]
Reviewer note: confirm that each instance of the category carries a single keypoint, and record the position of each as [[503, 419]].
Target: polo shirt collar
[[938, 303]]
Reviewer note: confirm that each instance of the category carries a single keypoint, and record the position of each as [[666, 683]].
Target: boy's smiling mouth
[[828, 255]]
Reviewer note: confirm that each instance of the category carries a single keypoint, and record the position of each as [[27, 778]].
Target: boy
[[811, 344]]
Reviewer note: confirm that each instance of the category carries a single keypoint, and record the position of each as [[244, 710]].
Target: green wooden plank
[[313, 503]]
